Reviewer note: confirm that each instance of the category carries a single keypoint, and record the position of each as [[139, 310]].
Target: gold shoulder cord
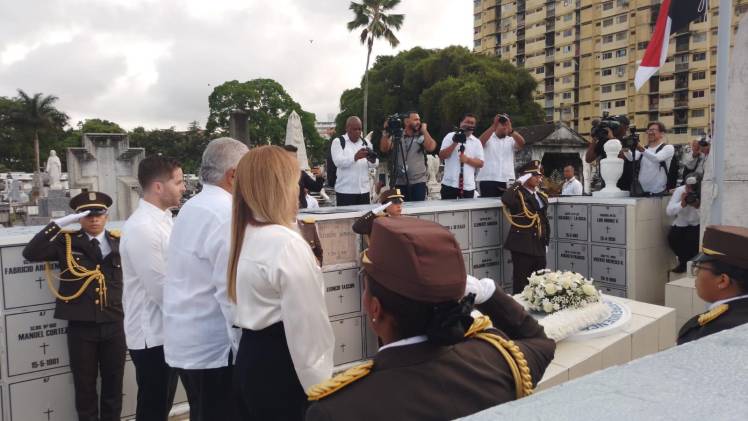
[[338, 382], [80, 272], [509, 350], [533, 217]]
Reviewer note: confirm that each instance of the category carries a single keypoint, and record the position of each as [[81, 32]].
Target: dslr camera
[[459, 137], [607, 121], [694, 196], [371, 155]]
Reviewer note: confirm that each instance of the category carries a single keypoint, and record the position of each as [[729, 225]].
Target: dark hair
[[291, 148], [155, 168], [736, 274], [570, 165], [444, 323], [410, 113], [660, 126], [466, 115]]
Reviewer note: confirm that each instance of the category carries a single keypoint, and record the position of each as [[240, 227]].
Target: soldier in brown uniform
[[525, 209], [436, 362], [90, 298], [392, 205], [721, 272]]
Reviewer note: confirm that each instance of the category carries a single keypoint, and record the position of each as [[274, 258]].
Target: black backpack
[[331, 168], [672, 171]]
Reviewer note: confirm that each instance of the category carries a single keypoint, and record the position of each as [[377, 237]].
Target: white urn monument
[[611, 169]]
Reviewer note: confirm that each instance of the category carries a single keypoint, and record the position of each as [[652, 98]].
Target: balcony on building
[[681, 82]]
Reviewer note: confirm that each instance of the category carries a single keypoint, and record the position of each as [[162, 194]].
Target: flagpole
[[709, 131], [720, 111]]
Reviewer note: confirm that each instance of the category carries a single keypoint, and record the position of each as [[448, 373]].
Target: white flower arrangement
[[549, 291]]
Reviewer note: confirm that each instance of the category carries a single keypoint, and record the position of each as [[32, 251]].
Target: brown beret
[[417, 259], [725, 243], [392, 195], [96, 202]]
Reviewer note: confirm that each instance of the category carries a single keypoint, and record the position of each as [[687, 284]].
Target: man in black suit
[[525, 209], [90, 298], [721, 272]]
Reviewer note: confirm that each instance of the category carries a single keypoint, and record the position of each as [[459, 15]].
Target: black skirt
[[265, 381]]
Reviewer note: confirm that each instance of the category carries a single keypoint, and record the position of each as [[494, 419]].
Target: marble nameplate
[[24, 282], [608, 224], [35, 341], [457, 223], [485, 227], [572, 221], [609, 265]]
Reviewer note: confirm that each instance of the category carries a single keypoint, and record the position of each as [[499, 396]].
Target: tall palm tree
[[372, 16], [38, 113]]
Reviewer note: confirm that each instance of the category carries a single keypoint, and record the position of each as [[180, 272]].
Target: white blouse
[[278, 280]]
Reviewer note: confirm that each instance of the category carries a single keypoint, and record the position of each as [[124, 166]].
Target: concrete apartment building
[[584, 55]]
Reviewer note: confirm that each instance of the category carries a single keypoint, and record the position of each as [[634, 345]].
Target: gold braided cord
[[81, 273], [336, 383], [533, 217], [509, 350]]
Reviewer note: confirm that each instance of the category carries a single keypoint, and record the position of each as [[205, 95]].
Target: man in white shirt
[[461, 159], [654, 160], [684, 233], [350, 153], [143, 249], [198, 317], [571, 186], [500, 142]]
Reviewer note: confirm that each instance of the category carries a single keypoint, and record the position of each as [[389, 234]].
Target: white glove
[[70, 219], [524, 178], [482, 288], [380, 209]]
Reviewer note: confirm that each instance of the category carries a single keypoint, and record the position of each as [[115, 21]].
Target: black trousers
[[157, 383], [684, 241], [492, 188], [97, 348], [266, 382], [449, 192], [523, 265], [413, 192], [209, 392], [344, 199]]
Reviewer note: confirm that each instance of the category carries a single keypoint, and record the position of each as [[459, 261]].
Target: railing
[[681, 67]]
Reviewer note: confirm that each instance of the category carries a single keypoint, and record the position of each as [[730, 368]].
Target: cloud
[[153, 63]]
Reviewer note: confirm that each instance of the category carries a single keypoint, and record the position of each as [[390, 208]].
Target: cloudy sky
[[153, 63]]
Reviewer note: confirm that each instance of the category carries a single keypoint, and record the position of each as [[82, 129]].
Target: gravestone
[[106, 163]]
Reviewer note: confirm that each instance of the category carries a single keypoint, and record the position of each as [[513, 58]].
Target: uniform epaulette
[[115, 233], [340, 381], [543, 194], [308, 220], [713, 314]]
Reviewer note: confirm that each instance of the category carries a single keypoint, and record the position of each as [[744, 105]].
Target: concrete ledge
[[700, 380]]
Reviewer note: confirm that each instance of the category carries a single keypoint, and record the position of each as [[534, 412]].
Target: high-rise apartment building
[[584, 55]]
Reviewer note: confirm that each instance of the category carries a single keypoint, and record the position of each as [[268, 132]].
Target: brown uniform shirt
[[430, 382], [526, 240], [49, 245]]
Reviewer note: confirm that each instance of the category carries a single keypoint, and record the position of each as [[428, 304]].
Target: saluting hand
[[70, 219]]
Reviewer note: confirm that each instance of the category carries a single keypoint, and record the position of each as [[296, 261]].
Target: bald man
[[351, 155]]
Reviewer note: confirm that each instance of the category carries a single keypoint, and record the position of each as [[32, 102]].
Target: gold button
[[97, 301], [97, 289]]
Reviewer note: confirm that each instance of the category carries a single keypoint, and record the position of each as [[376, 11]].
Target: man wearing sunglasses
[[721, 272]]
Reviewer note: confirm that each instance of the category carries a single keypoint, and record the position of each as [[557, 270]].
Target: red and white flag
[[674, 16]]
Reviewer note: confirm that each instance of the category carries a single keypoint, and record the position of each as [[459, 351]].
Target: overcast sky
[[153, 63]]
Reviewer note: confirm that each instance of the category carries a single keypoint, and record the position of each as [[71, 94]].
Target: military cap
[[96, 202], [393, 196], [417, 259], [724, 243], [533, 167]]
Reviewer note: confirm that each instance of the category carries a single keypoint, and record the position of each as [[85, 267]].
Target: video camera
[[395, 126], [599, 130], [632, 140]]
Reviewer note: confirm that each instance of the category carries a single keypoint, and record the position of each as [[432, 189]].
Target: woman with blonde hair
[[273, 277]]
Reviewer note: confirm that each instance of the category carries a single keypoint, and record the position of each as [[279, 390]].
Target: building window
[[567, 33], [621, 103], [698, 76], [622, 3], [567, 79], [642, 45], [606, 89], [607, 55], [568, 17], [605, 105], [621, 71], [607, 39], [540, 70], [680, 130], [477, 43], [567, 63], [698, 37], [622, 18], [698, 113], [566, 95], [666, 78], [608, 5], [699, 56], [621, 86], [620, 36], [621, 52], [607, 72], [697, 94], [567, 48], [698, 132], [607, 22]]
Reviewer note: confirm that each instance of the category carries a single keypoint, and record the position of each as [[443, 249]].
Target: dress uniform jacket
[[425, 381], [50, 245], [530, 240], [735, 315]]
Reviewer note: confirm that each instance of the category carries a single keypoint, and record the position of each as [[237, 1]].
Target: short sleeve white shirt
[[499, 165], [473, 149]]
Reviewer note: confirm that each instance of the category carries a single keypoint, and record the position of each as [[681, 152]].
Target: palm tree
[[38, 113], [376, 23]]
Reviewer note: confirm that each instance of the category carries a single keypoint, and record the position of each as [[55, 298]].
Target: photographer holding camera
[[684, 233], [353, 157], [409, 145], [459, 168], [699, 154], [609, 127], [654, 160], [500, 142]]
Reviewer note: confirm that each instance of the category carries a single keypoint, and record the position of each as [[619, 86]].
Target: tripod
[[398, 152], [461, 192]]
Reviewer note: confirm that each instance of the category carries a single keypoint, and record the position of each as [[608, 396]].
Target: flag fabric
[[674, 16]]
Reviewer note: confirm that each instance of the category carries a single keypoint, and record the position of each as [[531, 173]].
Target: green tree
[[187, 147], [372, 16], [268, 105], [36, 114], [442, 85]]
